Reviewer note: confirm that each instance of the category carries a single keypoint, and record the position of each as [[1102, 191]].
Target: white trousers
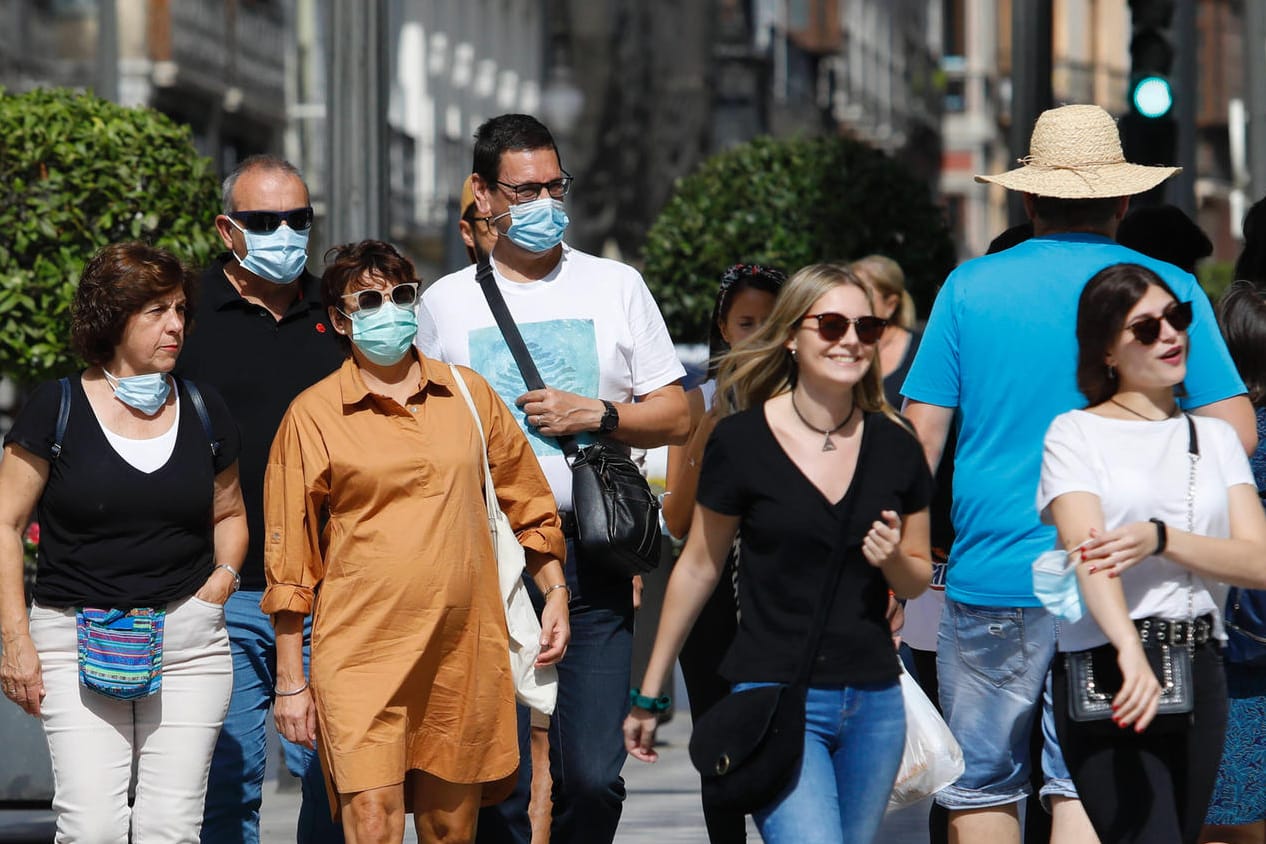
[[96, 742]]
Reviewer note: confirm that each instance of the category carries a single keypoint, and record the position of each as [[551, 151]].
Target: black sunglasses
[[832, 327], [299, 219], [371, 299], [1147, 329]]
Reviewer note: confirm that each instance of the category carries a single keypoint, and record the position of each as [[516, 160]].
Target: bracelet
[[653, 705], [1162, 536], [299, 690], [237, 577], [549, 589]]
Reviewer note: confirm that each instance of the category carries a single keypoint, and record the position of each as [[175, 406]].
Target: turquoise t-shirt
[[1001, 346]]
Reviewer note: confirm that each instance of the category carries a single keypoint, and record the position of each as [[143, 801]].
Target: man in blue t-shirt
[[1000, 348]]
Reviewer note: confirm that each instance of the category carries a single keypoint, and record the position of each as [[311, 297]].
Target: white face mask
[[147, 393]]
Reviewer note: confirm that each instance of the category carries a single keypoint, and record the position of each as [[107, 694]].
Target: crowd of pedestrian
[[307, 506]]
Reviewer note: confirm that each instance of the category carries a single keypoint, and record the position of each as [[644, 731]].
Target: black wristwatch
[[610, 419]]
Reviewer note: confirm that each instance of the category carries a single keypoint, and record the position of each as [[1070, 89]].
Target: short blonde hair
[[885, 278]]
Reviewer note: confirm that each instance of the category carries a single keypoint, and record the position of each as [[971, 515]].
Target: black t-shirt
[[258, 364], [789, 530], [110, 534]]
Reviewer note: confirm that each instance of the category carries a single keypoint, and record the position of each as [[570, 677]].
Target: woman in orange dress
[[376, 523]]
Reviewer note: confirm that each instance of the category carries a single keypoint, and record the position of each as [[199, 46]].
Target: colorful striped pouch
[[120, 651]]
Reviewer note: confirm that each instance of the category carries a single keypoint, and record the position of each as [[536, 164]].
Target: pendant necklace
[[1129, 409], [827, 445]]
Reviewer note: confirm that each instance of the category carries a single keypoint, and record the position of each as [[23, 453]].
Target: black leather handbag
[[617, 515], [747, 747]]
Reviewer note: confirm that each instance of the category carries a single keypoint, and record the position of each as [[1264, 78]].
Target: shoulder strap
[[63, 415], [200, 407], [835, 570], [510, 331], [490, 493]]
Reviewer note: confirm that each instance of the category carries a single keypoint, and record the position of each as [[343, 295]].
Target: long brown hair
[[761, 367]]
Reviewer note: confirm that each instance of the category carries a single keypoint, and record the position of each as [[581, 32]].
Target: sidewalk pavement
[[662, 806]]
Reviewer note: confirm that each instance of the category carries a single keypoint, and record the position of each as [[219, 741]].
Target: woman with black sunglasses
[[823, 479], [1154, 508], [374, 495]]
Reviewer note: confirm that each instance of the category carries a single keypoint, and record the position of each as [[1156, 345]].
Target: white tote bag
[[932, 759], [536, 688]]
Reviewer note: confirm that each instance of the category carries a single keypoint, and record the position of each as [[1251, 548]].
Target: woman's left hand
[[217, 588], [1118, 549], [555, 628], [883, 540]]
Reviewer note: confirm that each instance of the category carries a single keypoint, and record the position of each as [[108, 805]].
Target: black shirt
[[893, 380], [110, 534], [789, 530], [258, 364]]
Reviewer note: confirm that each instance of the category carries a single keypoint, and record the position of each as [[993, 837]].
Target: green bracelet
[[653, 705]]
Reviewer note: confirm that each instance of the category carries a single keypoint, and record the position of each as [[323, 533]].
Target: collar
[[1074, 237], [218, 292], [353, 391]]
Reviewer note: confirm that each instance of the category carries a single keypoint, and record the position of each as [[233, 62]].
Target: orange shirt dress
[[410, 666]]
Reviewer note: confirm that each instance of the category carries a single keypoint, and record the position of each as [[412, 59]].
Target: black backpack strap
[[510, 331], [200, 407], [63, 416]]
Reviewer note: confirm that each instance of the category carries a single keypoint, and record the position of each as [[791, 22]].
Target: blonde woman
[[807, 441], [892, 302]]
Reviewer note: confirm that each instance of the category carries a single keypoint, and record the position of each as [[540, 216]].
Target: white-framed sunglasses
[[371, 299]]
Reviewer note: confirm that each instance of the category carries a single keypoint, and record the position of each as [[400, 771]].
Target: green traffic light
[[1152, 96]]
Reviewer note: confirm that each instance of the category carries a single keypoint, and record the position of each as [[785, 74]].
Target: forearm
[[547, 573], [231, 537], [908, 574], [1239, 562], [13, 618], [693, 581], [932, 424], [662, 418], [681, 486], [1104, 598], [288, 627]]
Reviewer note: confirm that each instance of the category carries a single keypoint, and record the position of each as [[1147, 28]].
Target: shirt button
[[413, 408]]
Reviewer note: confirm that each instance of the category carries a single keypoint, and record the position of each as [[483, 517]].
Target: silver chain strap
[[1193, 457]]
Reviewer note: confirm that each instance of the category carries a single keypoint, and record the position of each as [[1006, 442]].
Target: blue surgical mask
[[278, 256], [146, 393], [1055, 585], [384, 334], [537, 226]]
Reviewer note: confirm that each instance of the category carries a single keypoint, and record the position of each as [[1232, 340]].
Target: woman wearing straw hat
[[999, 350]]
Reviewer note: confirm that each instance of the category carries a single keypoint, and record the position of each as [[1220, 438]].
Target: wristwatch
[[610, 419]]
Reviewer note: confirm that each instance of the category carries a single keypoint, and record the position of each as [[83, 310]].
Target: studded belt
[[1165, 631]]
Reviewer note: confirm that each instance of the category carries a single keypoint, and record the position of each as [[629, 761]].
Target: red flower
[[320, 327], [33, 533]]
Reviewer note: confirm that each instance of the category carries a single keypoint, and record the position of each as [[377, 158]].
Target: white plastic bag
[[932, 759]]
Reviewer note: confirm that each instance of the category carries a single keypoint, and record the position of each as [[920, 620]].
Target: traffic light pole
[[1030, 82], [1255, 87], [1182, 188]]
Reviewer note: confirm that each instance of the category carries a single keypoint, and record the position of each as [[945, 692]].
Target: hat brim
[[1098, 181]]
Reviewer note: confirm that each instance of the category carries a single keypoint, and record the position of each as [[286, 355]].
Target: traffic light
[[1148, 130]]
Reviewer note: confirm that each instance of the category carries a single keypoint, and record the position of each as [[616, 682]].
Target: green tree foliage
[[76, 173], [788, 203]]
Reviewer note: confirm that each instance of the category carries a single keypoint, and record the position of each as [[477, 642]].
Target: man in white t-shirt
[[600, 343]]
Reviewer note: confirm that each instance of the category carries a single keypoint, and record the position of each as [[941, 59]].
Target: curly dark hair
[[117, 282], [346, 265], [1105, 302], [1242, 316]]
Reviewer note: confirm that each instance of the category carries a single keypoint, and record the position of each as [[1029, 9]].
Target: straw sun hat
[[1075, 153]]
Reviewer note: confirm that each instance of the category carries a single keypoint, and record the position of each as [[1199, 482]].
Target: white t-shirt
[[591, 326], [147, 455], [1139, 470]]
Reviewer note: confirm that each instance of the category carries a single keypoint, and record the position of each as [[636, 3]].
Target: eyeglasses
[[1147, 329], [299, 219], [529, 191], [371, 299], [832, 327]]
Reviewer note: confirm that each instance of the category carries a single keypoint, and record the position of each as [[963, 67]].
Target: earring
[[1112, 372], [793, 354]]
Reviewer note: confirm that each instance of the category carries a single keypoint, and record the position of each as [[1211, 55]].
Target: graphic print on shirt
[[565, 352]]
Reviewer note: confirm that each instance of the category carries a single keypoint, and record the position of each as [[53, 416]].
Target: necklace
[[827, 445], [1129, 409]]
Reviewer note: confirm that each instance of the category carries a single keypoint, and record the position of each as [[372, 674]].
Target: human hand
[[217, 588], [896, 619], [1139, 696], [21, 677], [639, 734], [557, 413], [295, 717], [883, 541], [555, 628], [1118, 549], [638, 587]]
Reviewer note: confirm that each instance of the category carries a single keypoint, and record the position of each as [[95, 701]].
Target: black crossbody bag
[[617, 515], [747, 747]]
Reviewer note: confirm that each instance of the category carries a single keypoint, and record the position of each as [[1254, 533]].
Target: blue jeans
[[586, 738], [992, 665], [854, 737], [235, 787]]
